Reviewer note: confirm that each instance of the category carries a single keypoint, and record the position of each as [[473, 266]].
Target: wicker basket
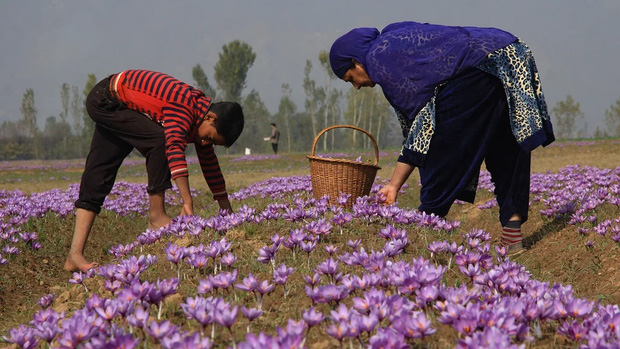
[[334, 177]]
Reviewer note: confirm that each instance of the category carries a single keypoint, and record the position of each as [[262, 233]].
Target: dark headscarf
[[409, 59], [354, 44]]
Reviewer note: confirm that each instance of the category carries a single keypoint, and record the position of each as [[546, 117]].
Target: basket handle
[[374, 143]]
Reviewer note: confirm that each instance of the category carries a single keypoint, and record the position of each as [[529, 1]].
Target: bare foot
[[78, 263], [159, 222]]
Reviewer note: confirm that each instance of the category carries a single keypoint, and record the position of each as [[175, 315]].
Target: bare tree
[[64, 101], [612, 119], [29, 115], [286, 110]]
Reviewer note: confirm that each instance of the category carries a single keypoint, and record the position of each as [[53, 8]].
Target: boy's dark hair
[[229, 121], [273, 124]]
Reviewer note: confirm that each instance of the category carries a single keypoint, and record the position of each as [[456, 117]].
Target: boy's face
[[207, 134]]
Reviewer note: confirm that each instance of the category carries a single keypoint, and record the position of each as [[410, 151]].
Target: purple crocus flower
[[213, 251], [574, 330], [197, 260], [329, 294], [205, 286], [579, 307], [340, 219], [471, 270], [47, 331], [141, 290], [427, 294], [112, 286], [46, 316], [224, 280], [328, 267], [139, 317], [436, 247], [268, 254], [490, 337], [354, 244], [312, 317], [280, 275], [228, 259], [80, 328], [174, 253], [414, 325], [319, 228], [226, 315], [77, 278], [312, 280], [308, 246], [249, 283], [22, 336], [168, 286], [338, 330], [159, 330], [367, 323], [331, 249], [46, 300], [276, 239], [387, 338], [108, 311], [343, 199], [251, 313], [185, 341], [264, 287], [342, 313]]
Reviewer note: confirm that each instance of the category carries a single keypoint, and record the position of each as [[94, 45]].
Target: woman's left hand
[[389, 193]]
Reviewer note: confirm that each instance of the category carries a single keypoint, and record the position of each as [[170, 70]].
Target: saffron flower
[[251, 314], [280, 276]]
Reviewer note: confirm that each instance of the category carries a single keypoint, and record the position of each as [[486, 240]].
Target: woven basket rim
[[345, 161]]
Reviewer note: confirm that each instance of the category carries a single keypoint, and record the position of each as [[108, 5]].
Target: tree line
[[68, 134]]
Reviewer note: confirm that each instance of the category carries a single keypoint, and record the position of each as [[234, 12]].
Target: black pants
[[472, 125], [118, 131], [274, 146]]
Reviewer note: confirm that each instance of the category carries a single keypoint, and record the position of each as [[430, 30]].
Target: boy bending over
[[158, 115]]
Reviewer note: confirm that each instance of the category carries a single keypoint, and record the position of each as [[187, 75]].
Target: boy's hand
[[188, 204], [225, 205], [187, 209]]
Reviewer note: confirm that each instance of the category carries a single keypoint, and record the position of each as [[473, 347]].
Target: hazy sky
[[46, 43]]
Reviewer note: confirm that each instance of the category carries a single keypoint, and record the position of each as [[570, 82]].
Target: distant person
[[462, 95], [159, 116], [275, 138]]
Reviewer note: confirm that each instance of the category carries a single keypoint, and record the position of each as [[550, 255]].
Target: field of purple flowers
[[288, 270]]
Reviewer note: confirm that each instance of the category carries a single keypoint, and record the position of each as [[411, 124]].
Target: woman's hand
[[399, 177], [389, 193]]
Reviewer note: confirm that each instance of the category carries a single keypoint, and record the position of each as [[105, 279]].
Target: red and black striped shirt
[[180, 109]]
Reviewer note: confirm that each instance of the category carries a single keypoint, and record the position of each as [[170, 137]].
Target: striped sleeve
[[211, 171], [177, 125]]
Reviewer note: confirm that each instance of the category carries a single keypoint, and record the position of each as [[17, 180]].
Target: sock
[[511, 233]]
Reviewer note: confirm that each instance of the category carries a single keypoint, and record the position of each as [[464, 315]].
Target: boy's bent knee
[[88, 206], [158, 188]]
